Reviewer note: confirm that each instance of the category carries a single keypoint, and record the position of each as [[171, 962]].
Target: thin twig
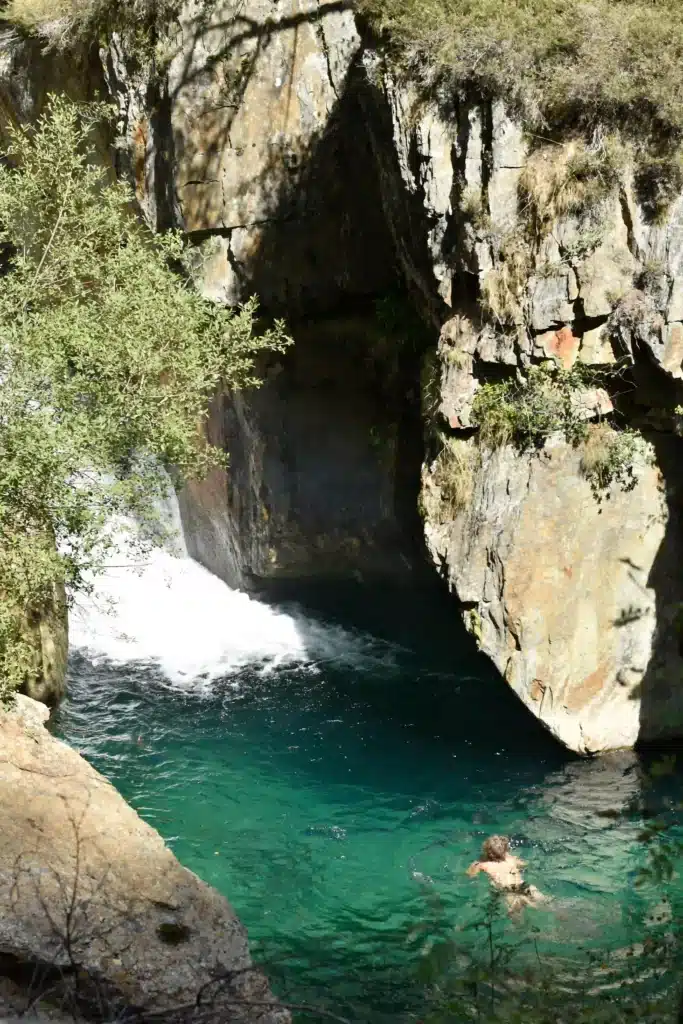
[[545, 138], [51, 238]]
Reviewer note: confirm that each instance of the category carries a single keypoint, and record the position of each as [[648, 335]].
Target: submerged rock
[[95, 906]]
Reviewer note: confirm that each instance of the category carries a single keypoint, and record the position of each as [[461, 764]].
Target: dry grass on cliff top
[[556, 61], [60, 21]]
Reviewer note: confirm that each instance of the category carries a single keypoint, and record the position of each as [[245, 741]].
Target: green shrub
[[108, 362], [504, 287], [635, 315], [525, 411], [608, 456], [658, 181], [651, 274], [583, 246]]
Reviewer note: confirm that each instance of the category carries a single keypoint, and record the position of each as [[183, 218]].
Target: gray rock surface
[[557, 588], [255, 152], [573, 596], [317, 458]]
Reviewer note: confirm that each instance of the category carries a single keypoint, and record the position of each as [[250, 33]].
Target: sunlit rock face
[[558, 589], [573, 594]]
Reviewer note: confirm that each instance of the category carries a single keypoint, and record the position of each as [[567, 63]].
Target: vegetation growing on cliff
[[608, 456], [454, 474], [585, 61], [526, 411], [573, 180], [63, 22], [578, 70], [109, 358]]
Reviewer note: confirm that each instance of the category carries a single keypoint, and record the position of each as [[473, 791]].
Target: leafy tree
[[108, 360]]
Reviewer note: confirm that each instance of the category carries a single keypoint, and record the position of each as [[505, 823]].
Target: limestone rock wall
[[317, 459], [557, 588], [253, 144], [574, 595], [243, 143], [277, 138]]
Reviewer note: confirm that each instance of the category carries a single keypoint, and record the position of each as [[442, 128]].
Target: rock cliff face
[[276, 137], [96, 910], [575, 595], [256, 150], [349, 183]]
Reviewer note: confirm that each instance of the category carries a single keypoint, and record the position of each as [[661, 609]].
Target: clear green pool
[[335, 784]]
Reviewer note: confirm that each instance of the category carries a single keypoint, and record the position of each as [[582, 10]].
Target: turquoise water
[[337, 799]]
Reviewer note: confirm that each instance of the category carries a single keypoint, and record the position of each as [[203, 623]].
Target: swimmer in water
[[505, 873]]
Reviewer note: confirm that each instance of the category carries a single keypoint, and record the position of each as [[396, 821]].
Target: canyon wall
[[573, 589], [279, 140], [256, 149], [354, 187]]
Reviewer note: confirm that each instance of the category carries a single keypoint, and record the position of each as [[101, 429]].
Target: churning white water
[[166, 611]]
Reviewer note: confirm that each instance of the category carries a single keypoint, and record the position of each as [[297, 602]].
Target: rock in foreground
[[93, 898]]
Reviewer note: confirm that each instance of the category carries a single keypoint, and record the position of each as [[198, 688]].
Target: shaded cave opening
[[325, 458]]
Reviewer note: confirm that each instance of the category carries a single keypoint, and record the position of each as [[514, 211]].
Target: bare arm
[[473, 869]]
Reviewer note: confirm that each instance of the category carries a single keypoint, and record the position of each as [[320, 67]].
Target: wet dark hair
[[495, 848]]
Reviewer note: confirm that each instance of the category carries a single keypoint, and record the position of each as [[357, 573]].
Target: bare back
[[505, 874]]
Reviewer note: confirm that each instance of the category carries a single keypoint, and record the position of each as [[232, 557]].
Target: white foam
[[168, 612]]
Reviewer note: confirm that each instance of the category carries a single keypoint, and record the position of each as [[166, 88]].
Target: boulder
[[95, 903]]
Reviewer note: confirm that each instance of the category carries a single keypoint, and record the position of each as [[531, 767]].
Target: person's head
[[495, 848]]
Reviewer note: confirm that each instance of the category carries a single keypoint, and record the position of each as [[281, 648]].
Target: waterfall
[[167, 612]]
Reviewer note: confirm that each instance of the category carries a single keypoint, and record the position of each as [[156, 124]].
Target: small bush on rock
[[608, 456], [454, 474], [526, 411], [62, 22], [504, 287], [573, 180], [658, 182]]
